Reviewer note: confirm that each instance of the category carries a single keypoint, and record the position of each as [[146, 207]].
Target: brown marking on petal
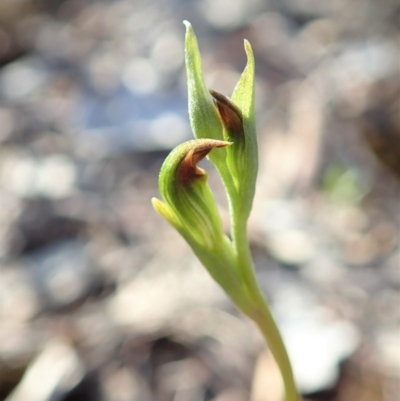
[[229, 113], [188, 170]]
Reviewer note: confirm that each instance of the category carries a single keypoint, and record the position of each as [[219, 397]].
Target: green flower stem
[[261, 313]]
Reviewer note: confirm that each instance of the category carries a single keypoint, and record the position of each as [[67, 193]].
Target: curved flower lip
[[188, 170], [229, 113]]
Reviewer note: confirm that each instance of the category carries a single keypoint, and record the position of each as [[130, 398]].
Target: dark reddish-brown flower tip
[[230, 114], [188, 169]]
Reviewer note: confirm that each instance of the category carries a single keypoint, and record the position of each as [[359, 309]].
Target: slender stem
[[261, 313]]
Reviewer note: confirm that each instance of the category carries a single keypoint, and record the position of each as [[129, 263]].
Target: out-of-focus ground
[[100, 300]]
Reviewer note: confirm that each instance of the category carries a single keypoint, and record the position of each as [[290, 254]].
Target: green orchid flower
[[189, 206], [225, 132]]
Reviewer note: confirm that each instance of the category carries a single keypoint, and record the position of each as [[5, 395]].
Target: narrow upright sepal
[[203, 117]]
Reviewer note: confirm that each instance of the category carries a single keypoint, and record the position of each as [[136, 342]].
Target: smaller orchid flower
[[187, 196], [189, 206]]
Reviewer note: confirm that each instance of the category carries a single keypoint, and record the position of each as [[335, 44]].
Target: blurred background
[[100, 300]]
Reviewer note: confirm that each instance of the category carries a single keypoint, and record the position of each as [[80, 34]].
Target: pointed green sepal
[[243, 97], [203, 116]]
